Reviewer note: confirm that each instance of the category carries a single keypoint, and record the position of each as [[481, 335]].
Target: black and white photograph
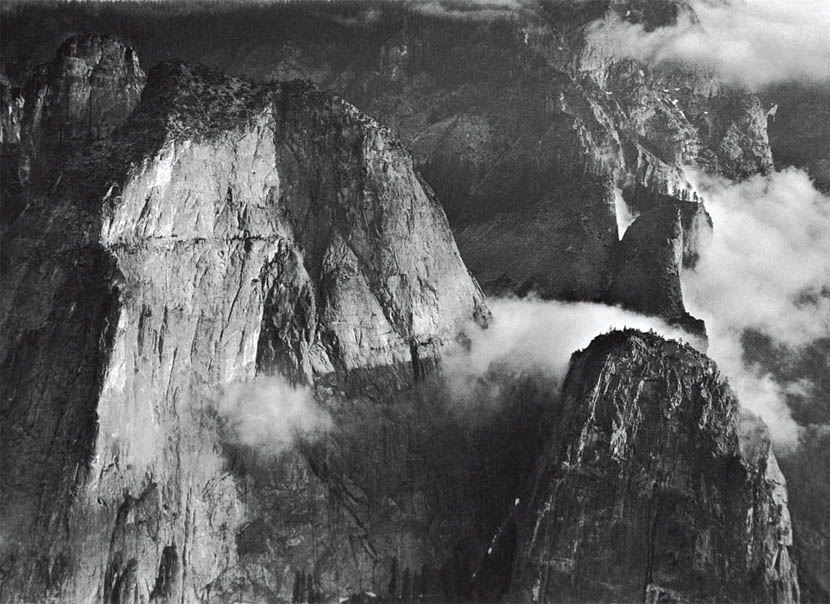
[[414, 301]]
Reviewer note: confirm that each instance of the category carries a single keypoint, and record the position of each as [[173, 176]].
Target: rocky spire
[[653, 487], [87, 91]]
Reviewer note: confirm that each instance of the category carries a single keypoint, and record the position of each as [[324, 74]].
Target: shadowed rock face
[[652, 488], [651, 256], [525, 127], [87, 91], [655, 248], [11, 113], [799, 129], [83, 94]]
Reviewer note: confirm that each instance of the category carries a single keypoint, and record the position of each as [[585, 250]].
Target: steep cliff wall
[[11, 113], [83, 94], [658, 245], [653, 488], [230, 232], [651, 255], [226, 230], [525, 127], [524, 122]]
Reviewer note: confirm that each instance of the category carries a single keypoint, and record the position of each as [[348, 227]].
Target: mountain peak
[[644, 488], [87, 91]]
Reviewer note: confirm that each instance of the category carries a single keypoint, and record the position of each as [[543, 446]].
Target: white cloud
[[763, 269], [541, 336], [768, 257], [751, 42], [267, 413], [468, 9]]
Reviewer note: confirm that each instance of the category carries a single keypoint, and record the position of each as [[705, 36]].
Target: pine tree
[[309, 585], [406, 586], [393, 581], [299, 585]]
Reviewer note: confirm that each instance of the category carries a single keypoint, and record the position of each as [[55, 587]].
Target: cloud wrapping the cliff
[[540, 336], [766, 268], [768, 256], [751, 42], [268, 413]]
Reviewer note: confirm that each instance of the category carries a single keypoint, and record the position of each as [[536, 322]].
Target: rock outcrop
[[525, 127], [655, 248], [87, 91], [11, 114], [651, 256], [653, 488], [225, 230]]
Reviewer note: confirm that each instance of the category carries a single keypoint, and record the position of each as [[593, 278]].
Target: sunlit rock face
[[222, 232], [226, 230], [527, 124], [653, 488]]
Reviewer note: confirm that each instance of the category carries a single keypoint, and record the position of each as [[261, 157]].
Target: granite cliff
[[534, 134], [653, 488], [81, 96], [224, 230], [222, 233], [535, 157]]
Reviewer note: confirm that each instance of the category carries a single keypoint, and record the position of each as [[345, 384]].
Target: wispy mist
[[268, 413], [751, 42], [540, 336], [766, 268], [469, 9]]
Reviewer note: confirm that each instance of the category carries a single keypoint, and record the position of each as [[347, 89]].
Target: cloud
[[469, 9], [768, 257], [267, 414], [765, 267], [751, 42], [540, 336]]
